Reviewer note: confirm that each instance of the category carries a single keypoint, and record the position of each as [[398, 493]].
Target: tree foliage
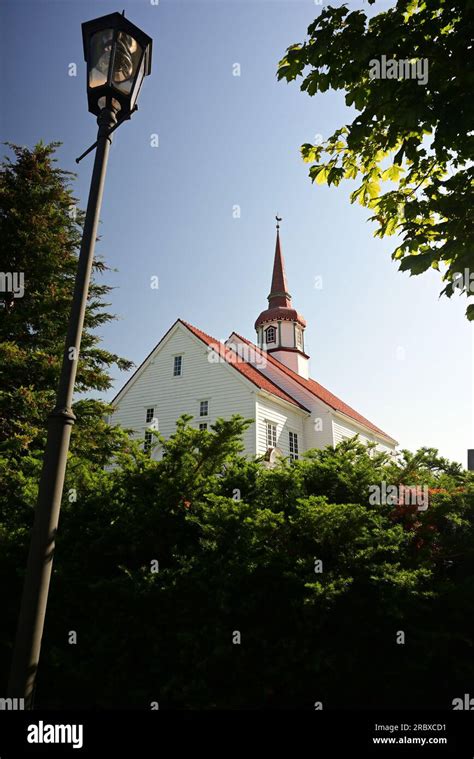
[[40, 227], [161, 563], [416, 137]]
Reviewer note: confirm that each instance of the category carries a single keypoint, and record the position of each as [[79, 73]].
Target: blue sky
[[379, 339]]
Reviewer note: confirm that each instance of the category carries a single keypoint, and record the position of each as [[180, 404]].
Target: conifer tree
[[40, 228]]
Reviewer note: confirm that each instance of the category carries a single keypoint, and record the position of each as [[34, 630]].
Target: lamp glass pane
[[102, 103], [101, 46], [127, 58], [138, 82]]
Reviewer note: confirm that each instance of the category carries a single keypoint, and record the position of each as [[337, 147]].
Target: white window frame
[[293, 445], [148, 441], [298, 338], [202, 426], [271, 432], [152, 409], [175, 361], [206, 401]]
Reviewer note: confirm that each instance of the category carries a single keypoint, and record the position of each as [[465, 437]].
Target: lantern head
[[118, 57]]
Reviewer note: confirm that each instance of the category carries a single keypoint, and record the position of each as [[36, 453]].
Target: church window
[[149, 415], [293, 446], [178, 366], [270, 335], [148, 441], [203, 408], [271, 435], [299, 338]]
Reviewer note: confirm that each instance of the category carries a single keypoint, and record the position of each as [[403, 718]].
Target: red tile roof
[[264, 383], [280, 312], [244, 368], [320, 392]]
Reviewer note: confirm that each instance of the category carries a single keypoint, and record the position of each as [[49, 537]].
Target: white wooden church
[[191, 372]]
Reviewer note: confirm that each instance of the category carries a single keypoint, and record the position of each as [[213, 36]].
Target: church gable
[[178, 377]]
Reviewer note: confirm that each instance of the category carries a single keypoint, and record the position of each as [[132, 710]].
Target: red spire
[[279, 300], [279, 295]]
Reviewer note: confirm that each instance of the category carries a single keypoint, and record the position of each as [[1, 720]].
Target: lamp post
[[118, 56]]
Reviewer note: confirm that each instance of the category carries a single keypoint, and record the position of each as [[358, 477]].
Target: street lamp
[[118, 56]]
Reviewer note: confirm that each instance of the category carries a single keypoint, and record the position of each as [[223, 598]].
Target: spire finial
[[278, 218]]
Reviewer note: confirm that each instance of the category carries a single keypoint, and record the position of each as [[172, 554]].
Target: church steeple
[[279, 295], [280, 328]]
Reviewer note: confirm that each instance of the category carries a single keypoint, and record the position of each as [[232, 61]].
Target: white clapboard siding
[[318, 427], [154, 386], [285, 418], [227, 392], [345, 430]]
